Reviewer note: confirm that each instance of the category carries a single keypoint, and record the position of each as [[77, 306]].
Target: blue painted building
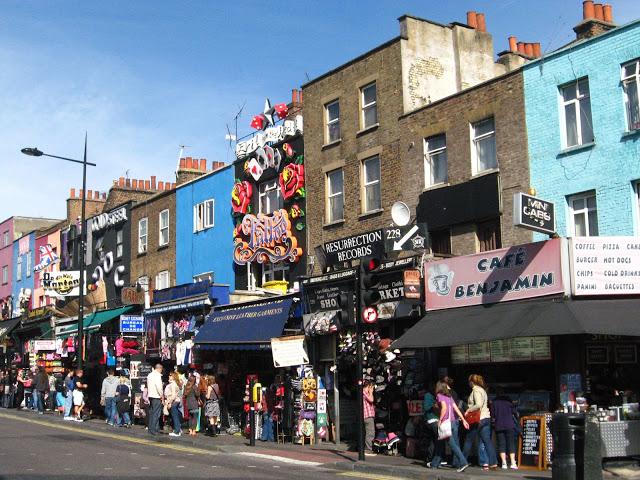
[[583, 128], [23, 263], [204, 229]]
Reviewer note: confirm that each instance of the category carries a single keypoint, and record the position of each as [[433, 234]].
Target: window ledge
[[142, 254], [371, 213], [163, 247], [367, 130], [485, 172], [334, 224], [577, 148], [331, 144], [630, 134], [436, 187]]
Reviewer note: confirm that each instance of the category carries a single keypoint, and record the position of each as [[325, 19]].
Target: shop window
[[19, 268], [143, 235], [277, 271], [576, 110], [369, 105], [335, 196], [631, 85], [583, 210], [28, 255], [5, 274], [435, 160], [332, 115], [483, 153], [163, 280], [488, 234], [440, 242], [163, 238], [119, 243], [269, 197], [371, 185]]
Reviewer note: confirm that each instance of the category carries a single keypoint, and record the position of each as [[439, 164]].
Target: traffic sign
[[409, 237], [370, 315]]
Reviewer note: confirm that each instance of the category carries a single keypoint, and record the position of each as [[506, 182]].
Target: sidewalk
[[323, 455]]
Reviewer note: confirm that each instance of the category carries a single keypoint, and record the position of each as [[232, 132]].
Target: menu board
[[541, 348], [521, 349], [500, 351], [531, 445], [479, 352], [597, 354], [460, 354], [626, 354], [518, 349]]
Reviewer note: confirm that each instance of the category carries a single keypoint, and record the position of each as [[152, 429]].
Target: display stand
[[532, 445]]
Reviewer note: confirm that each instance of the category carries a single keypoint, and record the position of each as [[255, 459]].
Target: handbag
[[444, 429], [472, 417]]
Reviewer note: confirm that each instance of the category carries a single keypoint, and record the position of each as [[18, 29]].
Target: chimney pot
[[537, 51], [153, 182], [482, 22], [203, 164], [89, 194], [607, 12], [588, 10], [140, 184], [189, 162], [127, 182], [294, 96], [521, 48], [528, 48], [104, 195], [72, 193], [599, 11], [81, 193], [160, 185], [472, 19], [134, 184], [147, 185], [121, 182], [96, 195], [182, 163], [513, 43], [173, 186]]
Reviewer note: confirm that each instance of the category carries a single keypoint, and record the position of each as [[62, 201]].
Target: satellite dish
[[400, 214]]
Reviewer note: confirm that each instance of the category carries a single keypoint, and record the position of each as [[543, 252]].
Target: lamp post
[[34, 152]]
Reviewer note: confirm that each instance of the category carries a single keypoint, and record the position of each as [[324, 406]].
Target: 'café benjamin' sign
[[523, 271], [265, 238]]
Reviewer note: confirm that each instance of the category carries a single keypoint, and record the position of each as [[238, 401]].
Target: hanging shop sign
[[289, 351], [270, 135], [412, 284], [44, 345], [61, 284], [605, 265], [354, 247], [131, 324], [533, 213], [408, 237], [265, 238], [107, 220], [47, 257], [322, 292], [523, 271], [132, 296]]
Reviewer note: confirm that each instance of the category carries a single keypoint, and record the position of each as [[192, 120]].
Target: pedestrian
[[193, 402], [28, 389], [449, 413], [479, 402], [78, 395], [203, 386], [3, 383], [156, 397], [12, 389], [123, 403], [430, 416], [503, 412], [223, 385], [369, 411], [41, 387], [212, 405], [58, 388], [69, 386], [172, 402], [108, 397]]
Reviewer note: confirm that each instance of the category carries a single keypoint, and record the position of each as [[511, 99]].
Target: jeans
[[484, 430], [176, 417], [154, 415], [110, 410], [38, 401], [28, 398], [125, 419], [459, 459], [431, 434], [68, 403]]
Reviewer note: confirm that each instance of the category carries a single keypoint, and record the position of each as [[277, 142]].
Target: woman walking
[[448, 424], [192, 399], [479, 402], [212, 407], [503, 412], [172, 403]]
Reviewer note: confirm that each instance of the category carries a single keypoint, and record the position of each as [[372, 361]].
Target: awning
[[244, 327], [176, 305], [92, 321], [7, 326], [484, 323]]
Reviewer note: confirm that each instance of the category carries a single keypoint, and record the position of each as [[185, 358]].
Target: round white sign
[[370, 315]]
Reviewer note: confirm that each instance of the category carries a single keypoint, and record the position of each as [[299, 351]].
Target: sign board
[[322, 292], [533, 213], [597, 354], [626, 354], [518, 349], [144, 369], [61, 284], [605, 265], [134, 369], [414, 407], [181, 291], [289, 351], [132, 296], [131, 324], [523, 271], [412, 283], [409, 237], [532, 443], [354, 247], [370, 315], [44, 345]]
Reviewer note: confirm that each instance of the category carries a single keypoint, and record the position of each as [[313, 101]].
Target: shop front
[[7, 344]]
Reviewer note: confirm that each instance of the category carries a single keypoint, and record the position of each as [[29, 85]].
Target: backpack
[[60, 385]]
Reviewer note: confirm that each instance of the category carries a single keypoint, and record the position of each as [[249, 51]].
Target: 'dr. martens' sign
[[354, 247], [533, 213]]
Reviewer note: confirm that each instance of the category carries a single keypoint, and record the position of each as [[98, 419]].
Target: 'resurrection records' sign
[[523, 271], [61, 284], [605, 265], [533, 213], [354, 247], [265, 239]]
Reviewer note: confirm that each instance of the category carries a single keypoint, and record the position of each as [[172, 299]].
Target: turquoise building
[[583, 128]]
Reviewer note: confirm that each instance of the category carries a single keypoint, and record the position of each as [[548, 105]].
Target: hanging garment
[[59, 346], [188, 344], [105, 348], [180, 352]]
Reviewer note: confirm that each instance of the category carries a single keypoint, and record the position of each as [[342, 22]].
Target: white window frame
[[6, 238], [278, 271], [163, 274], [430, 154], [162, 243], [201, 277], [119, 243], [576, 103], [372, 184], [264, 191], [19, 268], [475, 140], [143, 238], [5, 274], [582, 211], [367, 106], [627, 80], [330, 122], [330, 196], [28, 255], [200, 215], [636, 196]]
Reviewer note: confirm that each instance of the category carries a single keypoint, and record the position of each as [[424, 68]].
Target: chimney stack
[[472, 19], [72, 193], [596, 19], [482, 23]]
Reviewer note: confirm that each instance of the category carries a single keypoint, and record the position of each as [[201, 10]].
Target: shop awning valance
[[244, 327], [499, 321], [176, 305], [92, 321], [7, 326]]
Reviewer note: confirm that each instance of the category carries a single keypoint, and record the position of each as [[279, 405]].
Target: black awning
[[498, 321], [7, 326]]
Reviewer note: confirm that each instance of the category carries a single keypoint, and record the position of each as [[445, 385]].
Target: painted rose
[[241, 197], [291, 180]]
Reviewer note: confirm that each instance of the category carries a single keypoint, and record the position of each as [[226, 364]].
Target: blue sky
[[143, 77]]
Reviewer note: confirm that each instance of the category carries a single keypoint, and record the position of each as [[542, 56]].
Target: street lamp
[[34, 152]]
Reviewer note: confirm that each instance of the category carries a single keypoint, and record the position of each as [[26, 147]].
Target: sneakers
[[463, 468], [76, 419], [370, 454], [513, 467], [504, 466], [68, 419], [172, 434]]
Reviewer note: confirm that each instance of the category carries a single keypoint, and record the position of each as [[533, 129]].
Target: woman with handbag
[[172, 403], [192, 399], [478, 416], [448, 428]]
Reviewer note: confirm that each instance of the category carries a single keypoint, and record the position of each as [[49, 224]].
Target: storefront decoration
[[104, 269], [292, 181], [265, 119], [47, 257], [265, 238], [241, 197], [270, 135], [61, 284]]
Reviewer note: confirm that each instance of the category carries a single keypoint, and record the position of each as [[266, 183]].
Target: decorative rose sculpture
[[241, 197], [292, 181]]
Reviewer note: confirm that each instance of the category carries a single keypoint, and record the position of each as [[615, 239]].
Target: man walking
[[108, 397], [156, 397], [40, 390]]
